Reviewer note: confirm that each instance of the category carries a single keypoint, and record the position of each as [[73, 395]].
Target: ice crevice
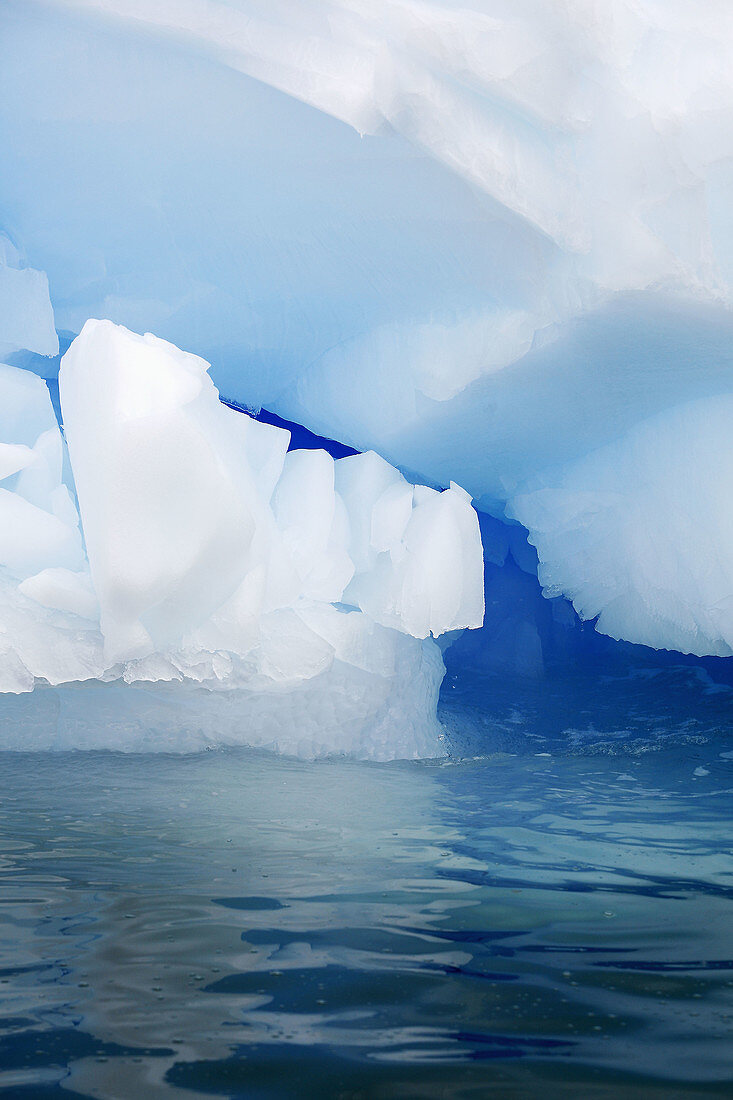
[[278, 597]]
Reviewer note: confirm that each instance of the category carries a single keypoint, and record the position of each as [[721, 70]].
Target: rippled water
[[232, 924]]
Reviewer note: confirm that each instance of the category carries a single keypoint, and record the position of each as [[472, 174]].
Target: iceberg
[[276, 597], [484, 242]]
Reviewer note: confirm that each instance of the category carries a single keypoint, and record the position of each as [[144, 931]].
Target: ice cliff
[[490, 242]]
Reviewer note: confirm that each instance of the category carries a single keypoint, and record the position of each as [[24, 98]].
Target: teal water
[[235, 924]]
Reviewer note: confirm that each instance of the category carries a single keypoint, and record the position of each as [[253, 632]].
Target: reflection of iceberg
[[219, 558]]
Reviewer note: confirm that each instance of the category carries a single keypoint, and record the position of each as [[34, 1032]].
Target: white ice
[[215, 559]]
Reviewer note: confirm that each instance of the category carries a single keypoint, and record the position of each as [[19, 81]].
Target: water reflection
[[235, 924]]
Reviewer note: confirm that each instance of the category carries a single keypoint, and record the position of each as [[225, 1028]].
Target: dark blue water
[[234, 924]]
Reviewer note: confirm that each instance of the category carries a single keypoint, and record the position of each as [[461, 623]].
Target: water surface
[[236, 924]]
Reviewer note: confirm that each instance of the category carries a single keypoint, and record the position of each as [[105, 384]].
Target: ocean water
[[547, 922]]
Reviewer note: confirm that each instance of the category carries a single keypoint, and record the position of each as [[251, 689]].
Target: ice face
[[172, 517], [220, 561], [404, 539], [640, 532]]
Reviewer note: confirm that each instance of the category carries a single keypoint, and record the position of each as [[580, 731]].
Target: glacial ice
[[26, 314], [490, 242], [273, 598], [640, 532], [545, 164]]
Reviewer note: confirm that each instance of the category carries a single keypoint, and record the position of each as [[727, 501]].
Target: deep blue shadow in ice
[[300, 438]]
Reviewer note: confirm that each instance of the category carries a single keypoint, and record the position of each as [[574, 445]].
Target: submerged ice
[[215, 558]]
